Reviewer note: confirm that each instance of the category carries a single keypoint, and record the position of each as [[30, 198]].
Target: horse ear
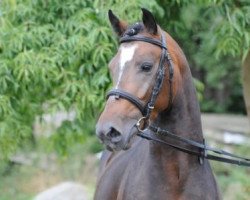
[[118, 26], [149, 21]]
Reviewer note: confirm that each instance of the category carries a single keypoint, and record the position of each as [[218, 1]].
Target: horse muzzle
[[113, 139]]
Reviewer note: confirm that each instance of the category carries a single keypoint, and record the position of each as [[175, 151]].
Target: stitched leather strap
[[125, 95], [202, 149], [143, 39]]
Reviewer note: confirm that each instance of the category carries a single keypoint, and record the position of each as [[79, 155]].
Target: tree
[[53, 57], [233, 37], [215, 38], [246, 82]]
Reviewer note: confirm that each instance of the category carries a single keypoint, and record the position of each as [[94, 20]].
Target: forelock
[[134, 29]]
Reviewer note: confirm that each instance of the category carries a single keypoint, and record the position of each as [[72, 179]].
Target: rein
[[202, 149]]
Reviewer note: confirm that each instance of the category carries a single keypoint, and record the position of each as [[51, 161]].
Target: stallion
[[153, 87]]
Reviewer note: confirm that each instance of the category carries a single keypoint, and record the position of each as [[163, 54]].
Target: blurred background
[[54, 76]]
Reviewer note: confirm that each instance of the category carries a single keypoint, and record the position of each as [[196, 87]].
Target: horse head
[[134, 71]]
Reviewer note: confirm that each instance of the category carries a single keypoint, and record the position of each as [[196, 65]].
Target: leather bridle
[[165, 56], [145, 131]]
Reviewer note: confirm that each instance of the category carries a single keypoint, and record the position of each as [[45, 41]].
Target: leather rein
[[202, 150]]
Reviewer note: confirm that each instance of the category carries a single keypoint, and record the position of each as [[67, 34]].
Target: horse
[[152, 87]]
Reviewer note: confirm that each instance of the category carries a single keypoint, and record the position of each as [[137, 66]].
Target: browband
[[143, 39]]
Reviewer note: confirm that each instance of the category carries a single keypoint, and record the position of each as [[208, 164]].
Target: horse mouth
[[130, 138]]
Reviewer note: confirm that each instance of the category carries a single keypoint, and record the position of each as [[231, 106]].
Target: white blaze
[[127, 54]]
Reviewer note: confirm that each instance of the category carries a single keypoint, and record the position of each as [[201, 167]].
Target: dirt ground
[[227, 130], [233, 123]]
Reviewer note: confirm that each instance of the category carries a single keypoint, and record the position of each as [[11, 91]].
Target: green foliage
[[199, 88], [53, 57], [215, 38], [233, 25], [233, 180]]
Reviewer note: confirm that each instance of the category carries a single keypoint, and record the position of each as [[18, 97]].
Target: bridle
[[145, 131], [165, 56]]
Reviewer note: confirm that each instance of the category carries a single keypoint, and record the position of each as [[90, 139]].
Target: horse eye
[[146, 67]]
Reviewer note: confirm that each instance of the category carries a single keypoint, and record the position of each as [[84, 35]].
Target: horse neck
[[182, 119], [184, 116]]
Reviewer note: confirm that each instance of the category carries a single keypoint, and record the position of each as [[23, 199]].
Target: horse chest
[[131, 176]]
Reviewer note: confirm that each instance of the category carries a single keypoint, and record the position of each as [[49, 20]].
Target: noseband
[[165, 56]]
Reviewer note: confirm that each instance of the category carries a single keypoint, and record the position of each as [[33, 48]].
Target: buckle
[[151, 107], [117, 96], [142, 123], [204, 153]]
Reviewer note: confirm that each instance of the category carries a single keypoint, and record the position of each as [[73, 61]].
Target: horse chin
[[112, 147], [118, 147]]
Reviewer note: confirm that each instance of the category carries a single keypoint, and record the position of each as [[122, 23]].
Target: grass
[[23, 182], [233, 180], [14, 184]]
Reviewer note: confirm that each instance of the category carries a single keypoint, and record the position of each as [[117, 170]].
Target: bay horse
[[133, 168]]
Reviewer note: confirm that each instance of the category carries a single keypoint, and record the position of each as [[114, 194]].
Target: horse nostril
[[113, 132], [114, 135]]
